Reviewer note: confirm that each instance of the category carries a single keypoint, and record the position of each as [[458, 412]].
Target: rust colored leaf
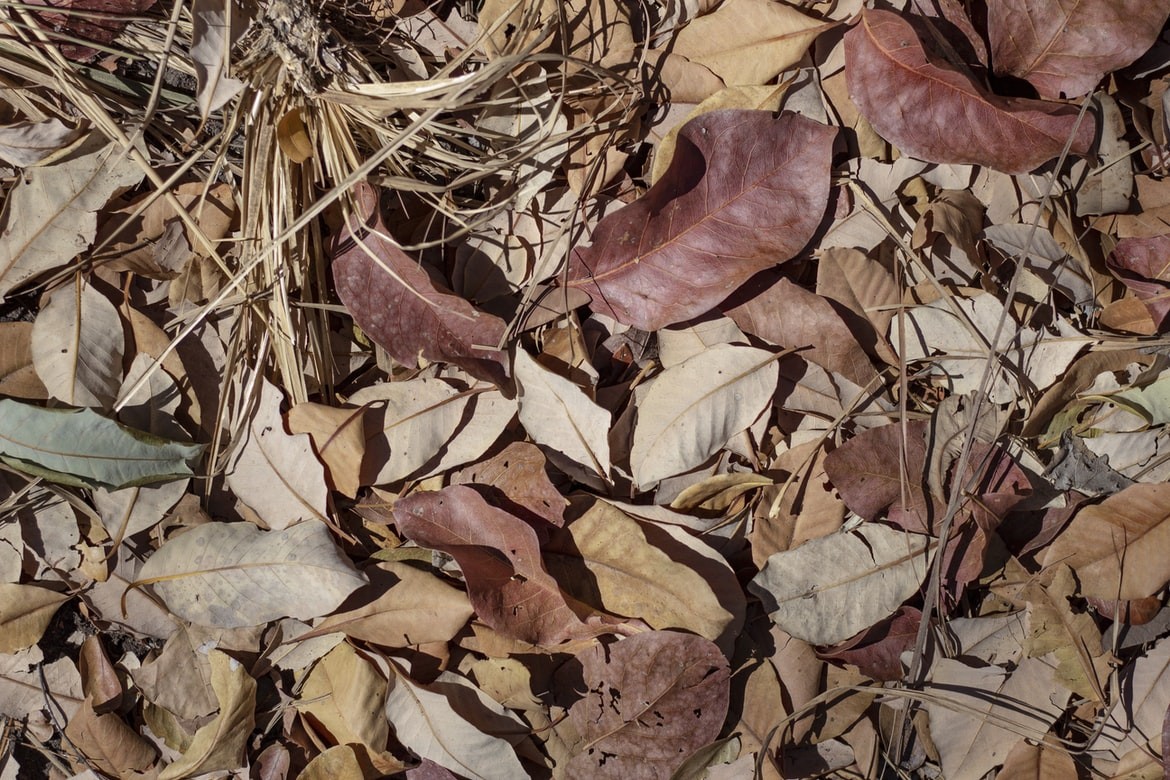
[[500, 557], [1066, 46], [100, 21], [877, 651], [743, 192], [650, 701], [402, 309], [931, 111], [1142, 265]]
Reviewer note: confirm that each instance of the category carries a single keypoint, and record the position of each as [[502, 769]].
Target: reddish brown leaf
[[500, 557], [1066, 46], [519, 478], [401, 308], [877, 652], [650, 700], [100, 21], [744, 191], [931, 111], [1142, 264]]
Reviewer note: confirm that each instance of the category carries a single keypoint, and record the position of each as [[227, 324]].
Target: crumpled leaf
[[233, 574], [80, 447], [649, 701], [499, 555], [51, 214], [744, 192], [930, 110], [829, 589], [402, 309], [221, 743], [1064, 47]]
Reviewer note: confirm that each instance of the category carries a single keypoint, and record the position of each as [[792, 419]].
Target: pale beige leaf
[[639, 569], [426, 722], [748, 42], [1148, 694], [690, 411], [338, 435], [25, 612], [489, 415], [415, 608], [217, 25], [678, 344], [1071, 635], [275, 473], [222, 742], [559, 415], [829, 589], [77, 346], [27, 143], [409, 423], [234, 574], [50, 216], [973, 729], [23, 678]]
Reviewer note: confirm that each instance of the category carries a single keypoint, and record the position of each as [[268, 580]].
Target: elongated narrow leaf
[[743, 192], [80, 447], [401, 308], [931, 111], [50, 215], [692, 409], [1064, 47], [233, 574], [829, 589]]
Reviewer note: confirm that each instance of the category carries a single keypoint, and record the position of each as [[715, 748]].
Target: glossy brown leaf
[[1143, 266], [650, 700], [743, 192], [1066, 46], [500, 557], [402, 309], [931, 111]]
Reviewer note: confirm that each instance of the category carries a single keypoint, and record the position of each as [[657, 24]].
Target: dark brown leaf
[[744, 191], [650, 700], [931, 111], [401, 308], [1066, 46], [500, 557], [100, 21]]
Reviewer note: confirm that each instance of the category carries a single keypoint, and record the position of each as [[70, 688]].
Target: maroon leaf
[[399, 306], [931, 111], [877, 651], [1143, 264], [1066, 46], [650, 700], [500, 557], [743, 192], [519, 478], [100, 21]]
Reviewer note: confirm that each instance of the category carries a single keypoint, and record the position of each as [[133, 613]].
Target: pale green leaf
[[80, 447]]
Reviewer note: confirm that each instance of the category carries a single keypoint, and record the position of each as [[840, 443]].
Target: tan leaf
[[275, 473], [1055, 627], [18, 375], [108, 742], [50, 215], [25, 612], [77, 346], [27, 143], [222, 742], [338, 435]]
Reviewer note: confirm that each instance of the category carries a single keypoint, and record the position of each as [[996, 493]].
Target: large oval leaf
[[233, 574], [691, 410], [650, 701], [402, 309], [743, 192], [931, 111], [1066, 46], [77, 346], [80, 447]]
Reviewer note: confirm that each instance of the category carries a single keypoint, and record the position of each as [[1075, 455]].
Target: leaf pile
[[736, 389]]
